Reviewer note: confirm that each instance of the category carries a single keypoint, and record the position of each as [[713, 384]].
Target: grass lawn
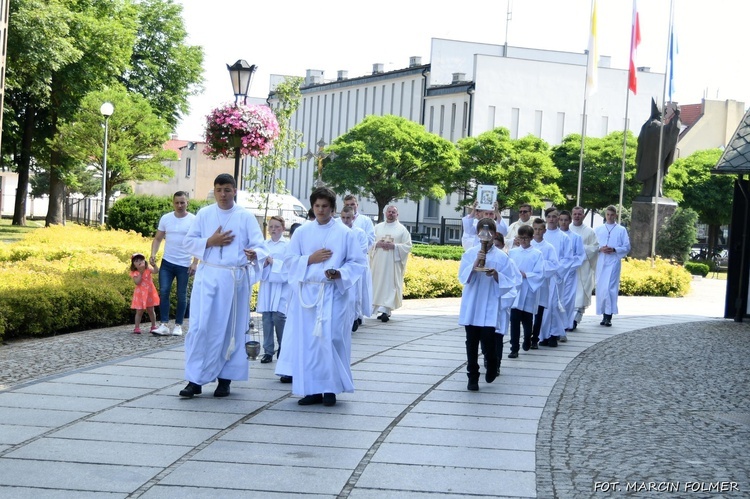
[[10, 233]]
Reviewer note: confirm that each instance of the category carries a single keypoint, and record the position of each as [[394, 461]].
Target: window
[[432, 208], [514, 118], [538, 123], [187, 168]]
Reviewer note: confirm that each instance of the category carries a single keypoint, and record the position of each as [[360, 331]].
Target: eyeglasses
[[524, 211]]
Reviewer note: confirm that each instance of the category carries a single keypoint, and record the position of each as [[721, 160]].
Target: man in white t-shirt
[[175, 263]]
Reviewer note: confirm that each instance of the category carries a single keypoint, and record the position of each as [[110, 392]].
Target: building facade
[[466, 89]]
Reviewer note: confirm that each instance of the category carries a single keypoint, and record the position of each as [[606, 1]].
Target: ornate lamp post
[[320, 155], [107, 109], [241, 73]]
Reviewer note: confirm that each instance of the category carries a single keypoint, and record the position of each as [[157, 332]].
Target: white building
[[467, 89]]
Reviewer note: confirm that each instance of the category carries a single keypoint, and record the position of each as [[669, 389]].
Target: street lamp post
[[241, 73], [107, 109], [320, 155]]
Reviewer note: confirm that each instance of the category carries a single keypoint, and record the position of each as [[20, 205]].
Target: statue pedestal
[[641, 228]]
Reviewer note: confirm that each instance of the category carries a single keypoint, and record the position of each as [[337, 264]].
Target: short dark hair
[[349, 197], [224, 179], [180, 194], [347, 209], [500, 237], [323, 193], [526, 231], [567, 213], [488, 222], [550, 210], [538, 220]]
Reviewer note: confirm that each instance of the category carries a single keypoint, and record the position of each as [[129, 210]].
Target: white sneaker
[[177, 331], [563, 339], [162, 330]]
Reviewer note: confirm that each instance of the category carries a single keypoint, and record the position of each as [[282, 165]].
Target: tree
[[691, 184], [58, 50], [677, 235], [136, 137], [389, 157], [521, 169], [602, 167], [163, 68], [263, 175]]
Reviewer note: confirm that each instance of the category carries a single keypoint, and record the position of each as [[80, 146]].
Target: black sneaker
[[266, 358], [190, 390], [311, 399], [286, 379], [513, 355], [329, 399]]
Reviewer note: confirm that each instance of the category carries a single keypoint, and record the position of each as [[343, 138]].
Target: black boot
[[608, 320], [223, 389], [190, 390]]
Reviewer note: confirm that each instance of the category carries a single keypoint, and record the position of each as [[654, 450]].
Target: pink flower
[[255, 126]]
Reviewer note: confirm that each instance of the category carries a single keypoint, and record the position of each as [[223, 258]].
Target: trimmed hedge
[[640, 278], [696, 268], [70, 278], [141, 213], [438, 252]]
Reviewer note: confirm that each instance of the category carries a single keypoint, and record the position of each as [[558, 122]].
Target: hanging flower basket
[[251, 128]]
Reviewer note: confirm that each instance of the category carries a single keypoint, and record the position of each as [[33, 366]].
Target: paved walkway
[[664, 405]]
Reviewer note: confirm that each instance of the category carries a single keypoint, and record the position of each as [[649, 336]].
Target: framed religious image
[[486, 195]]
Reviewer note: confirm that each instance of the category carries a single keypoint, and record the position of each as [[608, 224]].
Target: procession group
[[537, 275], [316, 287]]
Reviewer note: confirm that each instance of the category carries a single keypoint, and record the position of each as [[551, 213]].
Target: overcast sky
[[290, 36]]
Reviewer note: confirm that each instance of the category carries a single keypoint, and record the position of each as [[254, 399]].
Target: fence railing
[[85, 211]]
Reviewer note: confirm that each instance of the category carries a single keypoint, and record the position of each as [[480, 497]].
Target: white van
[[283, 205]]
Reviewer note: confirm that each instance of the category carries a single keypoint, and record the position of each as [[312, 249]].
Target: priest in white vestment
[[228, 242], [585, 284], [388, 264], [524, 218], [364, 285], [325, 261], [570, 284], [470, 236], [614, 245]]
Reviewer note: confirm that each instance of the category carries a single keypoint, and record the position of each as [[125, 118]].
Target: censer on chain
[[252, 337]]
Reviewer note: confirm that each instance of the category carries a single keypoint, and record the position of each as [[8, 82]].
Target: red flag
[[635, 40]]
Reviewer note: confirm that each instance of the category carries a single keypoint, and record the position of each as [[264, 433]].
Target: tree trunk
[[56, 194], [19, 209]]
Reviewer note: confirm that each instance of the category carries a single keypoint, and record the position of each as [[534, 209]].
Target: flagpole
[[580, 160], [591, 68], [661, 134], [624, 152]]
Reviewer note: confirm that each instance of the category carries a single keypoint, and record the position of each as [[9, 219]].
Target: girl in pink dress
[[145, 296]]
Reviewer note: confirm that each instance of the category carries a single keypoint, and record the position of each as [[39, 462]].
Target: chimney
[[313, 77], [415, 61], [459, 77], [342, 75], [377, 68], [174, 137]]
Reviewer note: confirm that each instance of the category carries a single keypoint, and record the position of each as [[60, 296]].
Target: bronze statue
[[647, 156]]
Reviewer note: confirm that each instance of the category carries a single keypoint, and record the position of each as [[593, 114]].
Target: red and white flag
[[635, 40]]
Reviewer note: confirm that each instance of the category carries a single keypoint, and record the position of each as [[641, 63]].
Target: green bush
[[430, 278], [695, 268], [141, 213], [677, 235], [437, 252], [641, 278]]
